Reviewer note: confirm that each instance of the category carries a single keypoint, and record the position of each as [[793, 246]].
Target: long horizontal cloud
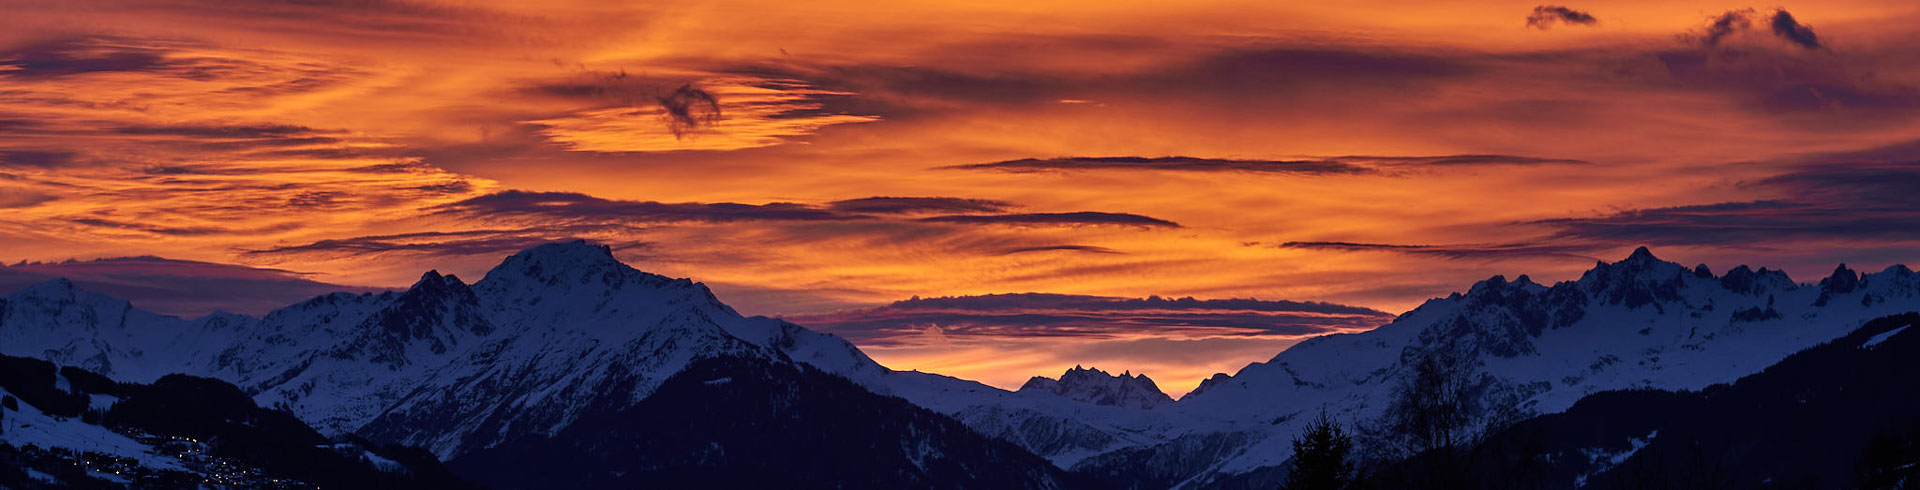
[[176, 287], [75, 56], [573, 206], [1060, 248], [1835, 201], [1489, 251], [1169, 163], [1067, 219], [1093, 317], [906, 205], [471, 242], [578, 208], [218, 131], [1342, 165]]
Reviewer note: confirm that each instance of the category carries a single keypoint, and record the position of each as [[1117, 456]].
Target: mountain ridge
[[560, 328], [1094, 386]]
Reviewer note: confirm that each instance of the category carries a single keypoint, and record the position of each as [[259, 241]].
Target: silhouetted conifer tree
[[1322, 457]]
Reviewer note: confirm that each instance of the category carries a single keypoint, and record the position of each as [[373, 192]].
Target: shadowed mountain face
[[1845, 414], [743, 422]]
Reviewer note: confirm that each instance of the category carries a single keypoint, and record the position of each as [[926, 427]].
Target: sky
[[991, 190]]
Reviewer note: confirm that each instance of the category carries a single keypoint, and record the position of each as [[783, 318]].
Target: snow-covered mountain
[[1638, 323], [551, 333], [1100, 388], [564, 330], [444, 365]]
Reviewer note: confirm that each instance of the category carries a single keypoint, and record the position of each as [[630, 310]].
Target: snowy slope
[[1641, 322], [28, 426]]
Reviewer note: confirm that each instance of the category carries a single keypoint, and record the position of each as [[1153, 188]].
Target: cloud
[[1724, 25], [37, 158], [1544, 16], [1060, 248], [633, 115], [1244, 80], [182, 231], [1455, 160], [1090, 317], [1492, 251], [77, 56], [1048, 219], [576, 207], [1792, 30], [688, 109], [1342, 165], [1781, 23], [177, 287], [570, 207], [471, 242], [1309, 167], [1857, 203], [1775, 82], [16, 197], [218, 131], [906, 205]]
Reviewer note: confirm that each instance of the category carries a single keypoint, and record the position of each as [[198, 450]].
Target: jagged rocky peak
[[434, 285], [1747, 281], [1639, 280], [1101, 388], [1843, 280], [437, 312]]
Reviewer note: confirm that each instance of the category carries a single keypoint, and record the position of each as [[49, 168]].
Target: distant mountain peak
[[562, 263], [61, 291], [433, 278], [1642, 255], [1101, 388], [52, 288], [1843, 280], [545, 260]]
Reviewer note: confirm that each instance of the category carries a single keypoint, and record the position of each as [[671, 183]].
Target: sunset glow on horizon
[[904, 175]]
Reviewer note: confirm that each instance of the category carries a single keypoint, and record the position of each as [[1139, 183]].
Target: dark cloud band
[[1061, 315], [1342, 165], [571, 207]]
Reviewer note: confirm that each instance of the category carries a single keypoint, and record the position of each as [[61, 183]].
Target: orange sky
[[735, 142]]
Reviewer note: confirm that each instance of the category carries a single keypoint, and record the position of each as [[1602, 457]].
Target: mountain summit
[[1100, 388]]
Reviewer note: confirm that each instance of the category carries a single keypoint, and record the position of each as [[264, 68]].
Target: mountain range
[[562, 350]]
